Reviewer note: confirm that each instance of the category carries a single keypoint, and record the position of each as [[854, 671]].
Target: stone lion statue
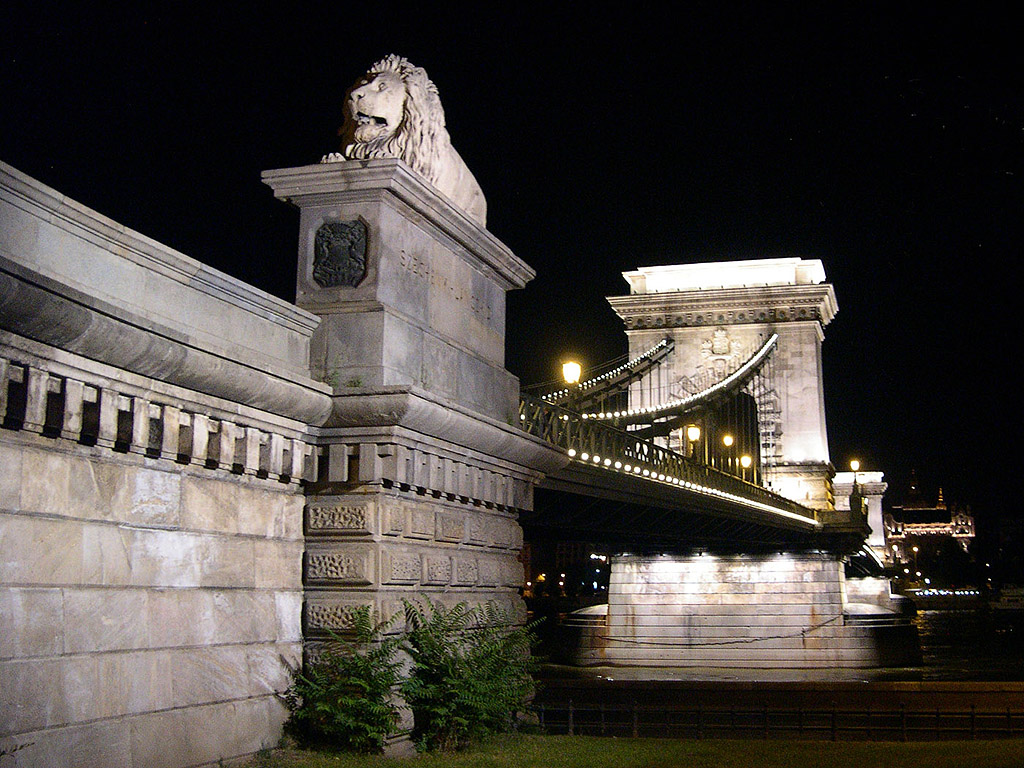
[[394, 111]]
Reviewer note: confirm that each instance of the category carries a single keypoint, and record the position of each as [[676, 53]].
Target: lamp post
[[745, 462], [571, 372], [727, 441], [855, 494]]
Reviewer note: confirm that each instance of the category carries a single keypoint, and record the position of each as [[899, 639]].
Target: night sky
[[888, 145]]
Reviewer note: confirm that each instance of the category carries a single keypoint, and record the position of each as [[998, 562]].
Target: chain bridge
[[712, 483]]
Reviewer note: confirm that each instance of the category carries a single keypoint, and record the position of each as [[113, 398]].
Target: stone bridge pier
[[422, 472]]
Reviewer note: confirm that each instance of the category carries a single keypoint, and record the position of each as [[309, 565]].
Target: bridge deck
[[617, 466]]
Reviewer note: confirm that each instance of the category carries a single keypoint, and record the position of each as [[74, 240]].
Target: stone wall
[[153, 435], [149, 608]]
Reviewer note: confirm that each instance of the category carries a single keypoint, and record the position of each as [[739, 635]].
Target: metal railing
[[824, 723], [601, 446]]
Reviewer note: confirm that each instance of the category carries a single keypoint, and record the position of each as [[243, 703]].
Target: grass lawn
[[593, 752]]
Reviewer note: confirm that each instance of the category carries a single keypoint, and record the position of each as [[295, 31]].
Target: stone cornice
[[41, 309], [418, 411], [377, 180], [727, 306], [47, 204]]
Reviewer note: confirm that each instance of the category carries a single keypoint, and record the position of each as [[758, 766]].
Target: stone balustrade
[[94, 411], [416, 467]]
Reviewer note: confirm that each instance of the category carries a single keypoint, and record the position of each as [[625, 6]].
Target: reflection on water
[[980, 644]]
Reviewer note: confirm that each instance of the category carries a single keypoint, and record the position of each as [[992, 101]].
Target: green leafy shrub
[[471, 672], [345, 697]]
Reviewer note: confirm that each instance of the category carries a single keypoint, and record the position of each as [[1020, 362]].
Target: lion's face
[[376, 106]]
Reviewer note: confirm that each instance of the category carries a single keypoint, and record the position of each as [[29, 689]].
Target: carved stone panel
[[339, 254], [421, 523], [334, 516], [335, 616], [478, 529], [504, 533], [511, 573], [393, 520], [489, 572], [401, 568], [467, 572], [349, 568], [437, 570], [450, 527]]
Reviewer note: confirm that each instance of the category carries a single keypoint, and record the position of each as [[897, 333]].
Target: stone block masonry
[[154, 432], [142, 601]]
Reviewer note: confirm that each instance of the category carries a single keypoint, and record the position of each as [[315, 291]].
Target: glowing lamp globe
[[571, 372]]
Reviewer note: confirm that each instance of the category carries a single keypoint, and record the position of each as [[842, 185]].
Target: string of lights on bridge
[[647, 474], [620, 465], [590, 383], [682, 403]]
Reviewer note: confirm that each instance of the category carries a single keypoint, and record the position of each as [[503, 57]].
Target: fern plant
[[345, 697], [471, 672]]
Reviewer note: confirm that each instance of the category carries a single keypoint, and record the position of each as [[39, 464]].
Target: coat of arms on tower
[[339, 254], [719, 346], [719, 356]]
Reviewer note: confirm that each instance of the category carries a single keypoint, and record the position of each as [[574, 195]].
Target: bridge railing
[[604, 447]]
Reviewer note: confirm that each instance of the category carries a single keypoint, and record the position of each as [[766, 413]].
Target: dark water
[[980, 645]]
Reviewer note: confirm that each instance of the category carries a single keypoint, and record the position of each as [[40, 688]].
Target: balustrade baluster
[[298, 455], [108, 418], [74, 398], [275, 456], [171, 431], [140, 425], [36, 389], [253, 440], [5, 382], [309, 462], [228, 435], [200, 438]]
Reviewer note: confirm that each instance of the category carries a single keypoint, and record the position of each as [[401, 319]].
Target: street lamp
[[692, 436], [745, 462], [855, 494], [727, 441]]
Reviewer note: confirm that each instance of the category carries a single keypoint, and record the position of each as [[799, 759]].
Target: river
[[971, 645]]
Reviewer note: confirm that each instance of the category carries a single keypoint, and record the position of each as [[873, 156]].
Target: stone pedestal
[[871, 487], [742, 611], [424, 469]]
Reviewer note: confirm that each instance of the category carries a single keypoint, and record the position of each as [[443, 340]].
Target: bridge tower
[[718, 314], [732, 604]]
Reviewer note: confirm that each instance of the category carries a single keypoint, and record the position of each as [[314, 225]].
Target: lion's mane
[[421, 139]]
